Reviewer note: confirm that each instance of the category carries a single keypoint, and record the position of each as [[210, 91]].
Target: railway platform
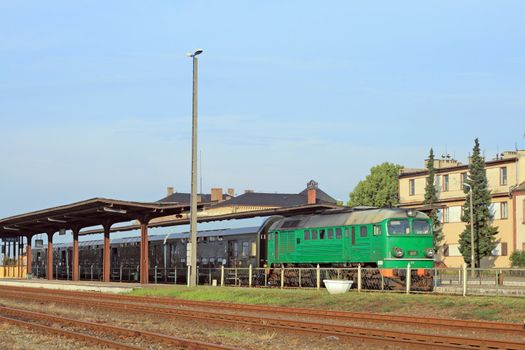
[[91, 286]]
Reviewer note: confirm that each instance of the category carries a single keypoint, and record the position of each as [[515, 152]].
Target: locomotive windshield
[[421, 227], [398, 227]]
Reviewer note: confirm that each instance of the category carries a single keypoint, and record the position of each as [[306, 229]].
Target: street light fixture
[[471, 230], [192, 278]]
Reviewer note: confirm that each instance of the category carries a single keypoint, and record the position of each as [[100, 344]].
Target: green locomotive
[[388, 239]]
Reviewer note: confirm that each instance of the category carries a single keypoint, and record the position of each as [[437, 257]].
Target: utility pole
[[193, 278]]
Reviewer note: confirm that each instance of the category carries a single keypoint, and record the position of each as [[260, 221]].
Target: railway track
[[20, 317], [383, 337], [471, 325]]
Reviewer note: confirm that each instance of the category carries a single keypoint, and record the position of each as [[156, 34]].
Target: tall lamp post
[[193, 202], [472, 265]]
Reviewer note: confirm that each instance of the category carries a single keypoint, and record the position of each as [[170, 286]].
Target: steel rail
[[68, 334], [421, 341], [475, 325], [114, 330]]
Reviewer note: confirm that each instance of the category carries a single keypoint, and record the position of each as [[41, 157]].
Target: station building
[[506, 182]]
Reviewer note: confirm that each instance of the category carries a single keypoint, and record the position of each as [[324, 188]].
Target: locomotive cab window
[[363, 230], [377, 230], [398, 227], [421, 227], [306, 235]]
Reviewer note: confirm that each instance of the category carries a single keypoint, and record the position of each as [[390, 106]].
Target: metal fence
[[508, 281]]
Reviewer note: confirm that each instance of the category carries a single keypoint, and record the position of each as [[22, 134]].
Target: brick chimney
[[216, 194], [231, 192], [312, 191], [170, 190]]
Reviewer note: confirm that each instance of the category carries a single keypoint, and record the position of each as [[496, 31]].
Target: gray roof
[[156, 238], [276, 199], [343, 217], [179, 197]]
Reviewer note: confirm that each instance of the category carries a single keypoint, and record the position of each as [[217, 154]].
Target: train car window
[[254, 249], [420, 227], [353, 234], [398, 227], [219, 238], [211, 238], [330, 233], [306, 235], [338, 233], [346, 233], [245, 248], [377, 230], [322, 234], [363, 230], [314, 234]]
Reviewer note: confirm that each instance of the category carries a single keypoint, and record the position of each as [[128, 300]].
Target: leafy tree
[[484, 232], [431, 199], [379, 188], [517, 258]]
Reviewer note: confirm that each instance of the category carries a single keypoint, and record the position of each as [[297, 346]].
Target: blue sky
[[95, 97]]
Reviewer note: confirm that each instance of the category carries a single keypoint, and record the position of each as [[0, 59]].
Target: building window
[[445, 183], [464, 178], [504, 210], [452, 250], [412, 187], [454, 213], [446, 215], [523, 217], [503, 176], [500, 250]]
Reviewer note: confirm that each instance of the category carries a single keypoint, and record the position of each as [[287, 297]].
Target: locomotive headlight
[[397, 252], [429, 252]]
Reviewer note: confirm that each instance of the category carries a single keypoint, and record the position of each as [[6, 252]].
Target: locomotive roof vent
[[411, 213]]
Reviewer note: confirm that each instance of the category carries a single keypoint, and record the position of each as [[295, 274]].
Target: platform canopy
[[88, 213], [307, 209]]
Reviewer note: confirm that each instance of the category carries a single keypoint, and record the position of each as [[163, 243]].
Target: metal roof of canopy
[[287, 211], [88, 213]]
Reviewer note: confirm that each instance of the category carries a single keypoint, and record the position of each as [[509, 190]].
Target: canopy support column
[[50, 255], [144, 261], [29, 258], [19, 260], [74, 264], [106, 263]]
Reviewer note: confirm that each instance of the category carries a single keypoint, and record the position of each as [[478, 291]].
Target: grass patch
[[506, 309]]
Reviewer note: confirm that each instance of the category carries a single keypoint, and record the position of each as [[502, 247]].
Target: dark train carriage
[[167, 254]]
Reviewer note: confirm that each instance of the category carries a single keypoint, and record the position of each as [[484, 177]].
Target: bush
[[517, 258]]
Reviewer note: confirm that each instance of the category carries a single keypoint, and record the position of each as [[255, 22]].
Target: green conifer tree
[[431, 199], [484, 232]]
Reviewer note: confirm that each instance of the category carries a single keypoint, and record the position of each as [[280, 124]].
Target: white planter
[[337, 286]]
